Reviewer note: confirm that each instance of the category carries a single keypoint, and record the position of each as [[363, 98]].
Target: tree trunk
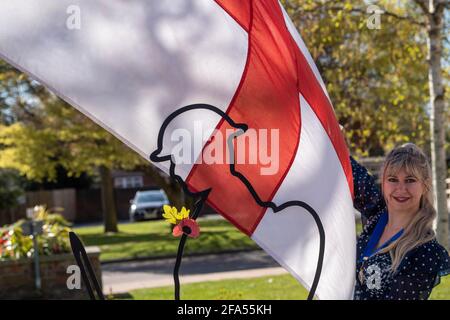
[[173, 190], [12, 215], [437, 117], [108, 201]]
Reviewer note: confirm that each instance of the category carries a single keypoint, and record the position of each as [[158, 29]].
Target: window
[[129, 182]]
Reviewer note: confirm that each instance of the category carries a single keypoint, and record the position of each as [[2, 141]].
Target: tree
[[61, 136], [42, 134], [10, 189], [374, 77], [19, 96], [433, 10], [10, 192]]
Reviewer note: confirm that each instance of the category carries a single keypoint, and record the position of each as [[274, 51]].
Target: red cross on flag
[[129, 64]]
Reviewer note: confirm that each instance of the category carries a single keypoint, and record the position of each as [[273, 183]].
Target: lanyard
[[375, 237]]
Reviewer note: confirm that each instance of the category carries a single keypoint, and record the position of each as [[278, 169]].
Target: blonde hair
[[420, 230]]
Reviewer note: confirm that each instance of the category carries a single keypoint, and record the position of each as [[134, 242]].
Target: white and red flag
[[129, 64]]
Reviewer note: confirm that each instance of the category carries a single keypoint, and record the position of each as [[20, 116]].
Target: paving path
[[126, 276]]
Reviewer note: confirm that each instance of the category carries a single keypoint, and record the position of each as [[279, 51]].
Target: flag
[[128, 65]]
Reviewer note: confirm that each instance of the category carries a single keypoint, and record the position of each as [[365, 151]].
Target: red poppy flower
[[187, 226]]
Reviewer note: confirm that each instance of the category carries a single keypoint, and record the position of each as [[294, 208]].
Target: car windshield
[[150, 197]]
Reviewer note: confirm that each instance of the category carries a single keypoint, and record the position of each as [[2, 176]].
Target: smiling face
[[402, 191], [407, 190]]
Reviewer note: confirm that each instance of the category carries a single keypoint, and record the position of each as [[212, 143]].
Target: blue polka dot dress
[[419, 271]]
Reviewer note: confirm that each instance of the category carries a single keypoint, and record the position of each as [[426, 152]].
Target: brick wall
[[17, 277]]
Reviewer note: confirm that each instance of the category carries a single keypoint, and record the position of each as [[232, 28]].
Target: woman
[[398, 256]]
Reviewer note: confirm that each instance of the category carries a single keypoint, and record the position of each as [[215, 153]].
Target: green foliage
[[19, 95], [10, 189], [376, 78], [39, 132], [61, 136], [154, 239], [54, 239]]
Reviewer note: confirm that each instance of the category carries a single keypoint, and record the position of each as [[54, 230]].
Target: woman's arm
[[368, 198]]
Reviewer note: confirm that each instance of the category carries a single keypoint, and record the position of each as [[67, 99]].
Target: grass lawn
[[264, 288], [154, 238], [283, 287]]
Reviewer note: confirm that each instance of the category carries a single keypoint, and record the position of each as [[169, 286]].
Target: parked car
[[147, 204]]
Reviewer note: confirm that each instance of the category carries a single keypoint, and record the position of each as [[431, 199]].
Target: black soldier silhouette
[[201, 197]]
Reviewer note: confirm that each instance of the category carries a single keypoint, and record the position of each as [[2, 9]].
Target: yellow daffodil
[[172, 215]]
